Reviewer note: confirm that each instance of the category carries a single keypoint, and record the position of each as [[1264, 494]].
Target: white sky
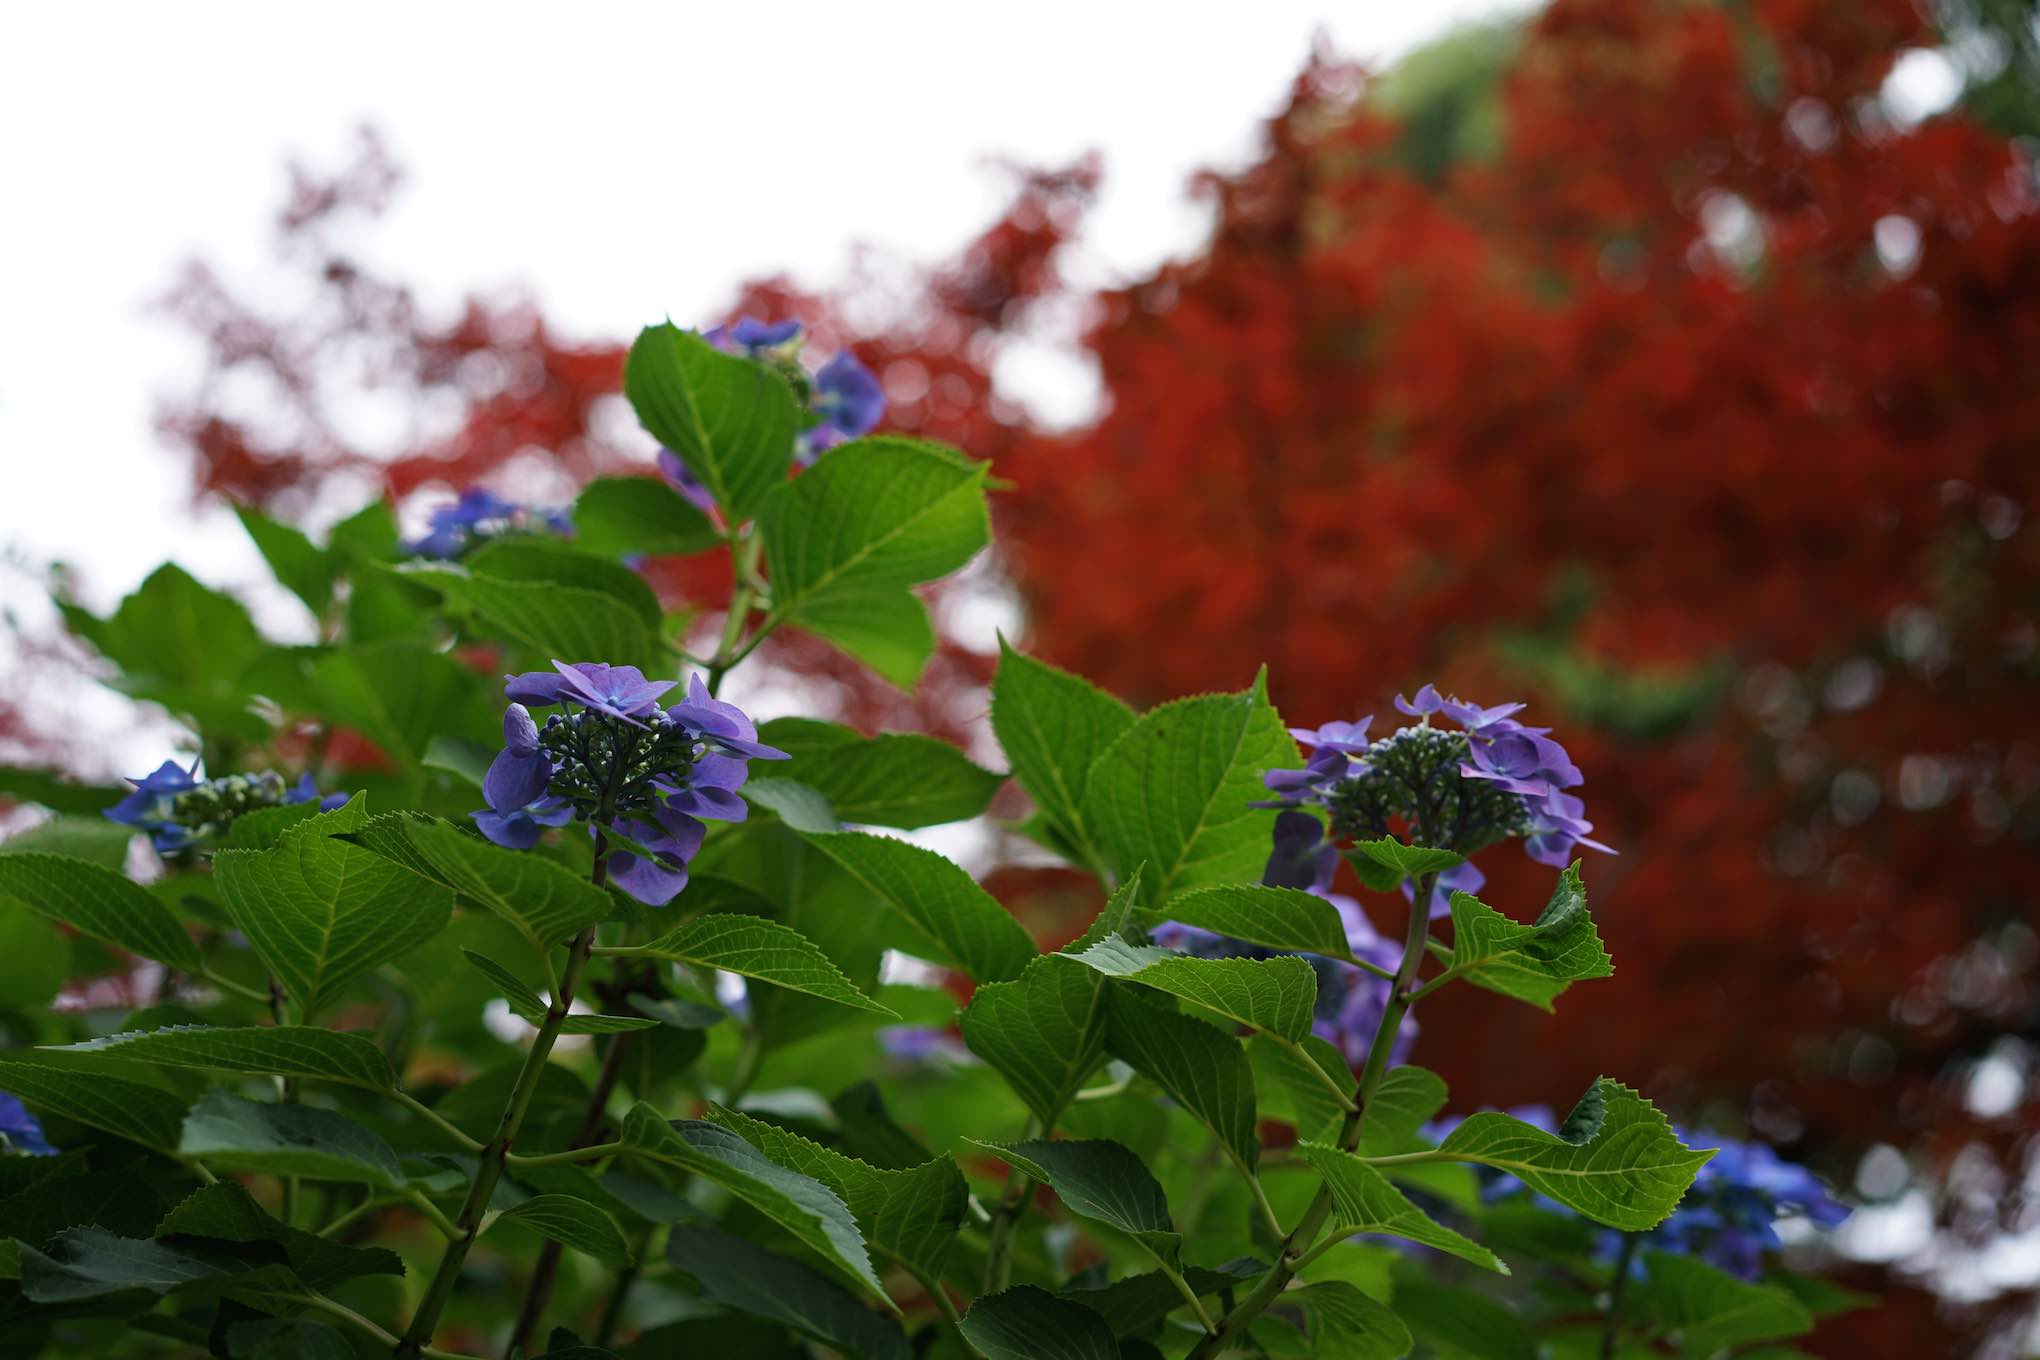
[[641, 159]]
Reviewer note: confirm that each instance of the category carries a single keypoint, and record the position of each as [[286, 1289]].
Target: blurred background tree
[[1640, 359]]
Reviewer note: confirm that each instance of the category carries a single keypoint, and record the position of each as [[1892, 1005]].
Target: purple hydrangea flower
[[182, 812], [20, 1131], [1729, 1216], [1464, 876], [847, 396], [613, 756], [1302, 857]]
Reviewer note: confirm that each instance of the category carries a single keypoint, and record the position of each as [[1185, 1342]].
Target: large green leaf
[[142, 1114], [1531, 963], [1275, 918], [1026, 1323], [280, 1050], [401, 694], [1202, 1070], [898, 779], [1407, 1099], [1275, 996], [762, 950], [962, 924], [1364, 1202], [226, 1212], [300, 565], [1176, 789], [741, 1275], [1398, 861], [875, 516], [545, 901], [911, 1214], [887, 630], [320, 912], [565, 622], [1712, 1311], [1105, 1182], [1348, 1324], [223, 1130], [628, 516], [1615, 1159], [548, 561], [98, 902], [813, 1213], [174, 638], [1053, 726], [1303, 1076], [1044, 1031], [1456, 1321], [94, 838], [85, 1263], [572, 1223], [732, 420]]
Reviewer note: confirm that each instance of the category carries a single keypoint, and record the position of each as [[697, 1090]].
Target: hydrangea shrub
[[590, 1017]]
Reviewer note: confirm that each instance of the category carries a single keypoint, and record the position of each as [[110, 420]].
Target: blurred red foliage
[[1701, 413]]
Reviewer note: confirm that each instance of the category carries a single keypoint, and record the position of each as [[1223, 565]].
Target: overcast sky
[[641, 160]]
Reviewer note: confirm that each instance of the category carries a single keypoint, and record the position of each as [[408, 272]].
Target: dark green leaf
[[142, 1114], [740, 1275], [629, 516], [762, 950], [224, 1130], [1364, 1202], [301, 566], [1530, 963], [1406, 861], [545, 901], [98, 902], [1053, 726], [1713, 1311], [1025, 1323], [1275, 996], [1275, 918], [961, 923], [280, 1050], [572, 1223], [1347, 1323], [895, 779], [1044, 1032], [1098, 1179], [1202, 1070]]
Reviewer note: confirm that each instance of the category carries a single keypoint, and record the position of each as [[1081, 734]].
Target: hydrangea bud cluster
[[843, 395], [183, 813], [612, 758], [1463, 788], [480, 515]]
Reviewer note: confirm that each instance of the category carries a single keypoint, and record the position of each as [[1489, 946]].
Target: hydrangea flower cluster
[[480, 515], [182, 812], [1491, 779], [21, 1133], [1350, 1001], [1729, 1217], [613, 758], [843, 394]]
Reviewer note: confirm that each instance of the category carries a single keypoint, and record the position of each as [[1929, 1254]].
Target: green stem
[[586, 1154], [367, 1206], [1298, 1245], [496, 1154], [951, 1318], [1611, 1324], [417, 1200], [750, 1057], [1006, 1217], [226, 984], [743, 567], [432, 1116]]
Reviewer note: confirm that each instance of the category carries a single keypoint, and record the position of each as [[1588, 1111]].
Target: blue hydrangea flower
[[1729, 1217], [184, 813], [848, 400], [751, 337], [1492, 779], [478, 515], [20, 1131], [613, 752]]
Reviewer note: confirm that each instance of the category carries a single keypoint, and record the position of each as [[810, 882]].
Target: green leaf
[[226, 1212], [84, 1263], [628, 516], [545, 901], [962, 924], [895, 779], [1275, 996], [746, 1277], [1116, 916], [548, 561], [1364, 1202], [1134, 1305], [887, 630], [1463, 1322], [1053, 726], [1347, 1323], [528, 1006], [93, 839], [1407, 1099], [301, 566], [802, 1205], [1275, 918], [563, 622], [174, 637], [57, 792], [280, 1050], [287, 1339], [1202, 1070], [402, 695], [1025, 1323], [912, 1214], [1044, 1032], [321, 912], [35, 961], [224, 1130], [572, 1223], [1175, 790], [801, 806], [1531, 963], [877, 515], [762, 950], [98, 902], [731, 420], [1616, 1159], [1299, 1073], [1713, 1311], [1406, 861], [142, 1114], [1104, 1181]]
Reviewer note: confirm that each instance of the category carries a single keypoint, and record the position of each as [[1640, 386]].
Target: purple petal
[[520, 733], [535, 687], [512, 830], [515, 778]]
